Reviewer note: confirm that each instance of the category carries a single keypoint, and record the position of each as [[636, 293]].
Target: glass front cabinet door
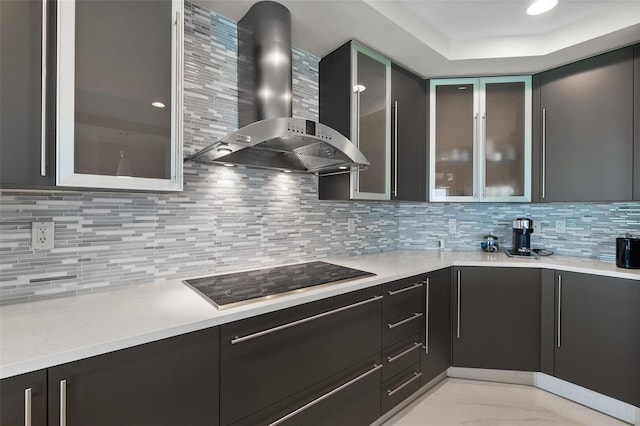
[[370, 122], [119, 105], [480, 139]]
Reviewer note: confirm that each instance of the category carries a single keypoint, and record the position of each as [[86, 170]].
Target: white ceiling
[[437, 38]]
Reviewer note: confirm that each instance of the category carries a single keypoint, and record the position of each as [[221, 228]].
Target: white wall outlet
[[442, 244], [452, 226], [561, 226], [42, 235], [351, 224], [537, 227]]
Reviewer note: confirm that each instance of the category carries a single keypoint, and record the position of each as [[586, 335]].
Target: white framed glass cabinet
[[119, 94], [480, 139], [370, 122]]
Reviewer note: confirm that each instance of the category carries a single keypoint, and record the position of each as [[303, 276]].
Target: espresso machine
[[522, 230]]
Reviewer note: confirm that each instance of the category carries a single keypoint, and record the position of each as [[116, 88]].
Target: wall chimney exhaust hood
[[269, 137]]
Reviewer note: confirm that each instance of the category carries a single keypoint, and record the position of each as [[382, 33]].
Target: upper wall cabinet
[[26, 160], [587, 129], [119, 103], [636, 122], [355, 99], [480, 139]]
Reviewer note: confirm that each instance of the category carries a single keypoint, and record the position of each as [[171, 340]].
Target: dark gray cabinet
[[23, 399], [436, 331], [390, 131], [597, 334], [403, 311], [587, 114], [275, 364], [169, 382], [496, 318], [636, 122], [409, 136], [27, 149]]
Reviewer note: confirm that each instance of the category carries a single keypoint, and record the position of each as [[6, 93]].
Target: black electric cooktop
[[229, 290]]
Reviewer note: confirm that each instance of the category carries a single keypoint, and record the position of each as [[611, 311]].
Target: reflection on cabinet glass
[[119, 106], [371, 115], [481, 139]]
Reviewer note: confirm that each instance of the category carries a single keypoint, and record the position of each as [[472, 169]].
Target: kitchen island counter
[[45, 333]]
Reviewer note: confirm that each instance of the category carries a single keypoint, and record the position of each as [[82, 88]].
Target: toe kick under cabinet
[[317, 363]]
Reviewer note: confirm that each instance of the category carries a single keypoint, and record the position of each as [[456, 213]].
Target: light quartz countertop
[[46, 333]]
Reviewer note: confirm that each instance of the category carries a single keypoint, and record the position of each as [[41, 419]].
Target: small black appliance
[[628, 252], [522, 230]]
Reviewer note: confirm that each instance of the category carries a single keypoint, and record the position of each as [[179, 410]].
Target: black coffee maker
[[522, 230]]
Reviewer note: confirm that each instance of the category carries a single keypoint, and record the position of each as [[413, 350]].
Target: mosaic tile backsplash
[[230, 219]]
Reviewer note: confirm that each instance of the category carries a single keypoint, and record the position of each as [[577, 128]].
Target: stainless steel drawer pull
[[63, 403], [302, 321], [559, 309], [406, 320], [27, 407], [426, 316], [326, 395], [402, 290], [403, 353], [415, 377]]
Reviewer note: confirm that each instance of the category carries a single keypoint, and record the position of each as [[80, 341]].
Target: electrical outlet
[[537, 227], [351, 224], [42, 235], [452, 226], [561, 226], [441, 244]]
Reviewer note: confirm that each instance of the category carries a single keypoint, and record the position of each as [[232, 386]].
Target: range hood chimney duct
[[264, 63], [269, 137]]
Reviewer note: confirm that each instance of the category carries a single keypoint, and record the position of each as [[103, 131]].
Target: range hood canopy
[[269, 137]]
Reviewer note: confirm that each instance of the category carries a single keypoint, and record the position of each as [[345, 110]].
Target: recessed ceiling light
[[225, 150], [228, 165], [541, 6], [157, 104]]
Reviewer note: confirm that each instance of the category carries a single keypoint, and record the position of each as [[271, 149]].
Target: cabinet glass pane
[[454, 140], [505, 138], [123, 65], [371, 96]]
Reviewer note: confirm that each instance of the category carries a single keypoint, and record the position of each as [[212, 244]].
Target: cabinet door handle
[[302, 321], [406, 320], [559, 309], [475, 154], [27, 407], [179, 101], [458, 313], [402, 290], [403, 353], [426, 317], [482, 181], [395, 147], [43, 94], [63, 403], [415, 377], [544, 152], [326, 395]]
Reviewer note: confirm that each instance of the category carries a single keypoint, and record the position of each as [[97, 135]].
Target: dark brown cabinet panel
[[400, 387], [587, 129], [496, 318], [19, 395], [409, 136], [636, 122], [597, 338], [169, 382], [272, 357], [402, 310], [436, 332], [21, 74]]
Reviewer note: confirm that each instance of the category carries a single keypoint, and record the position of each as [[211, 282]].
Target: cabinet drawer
[[350, 398], [268, 358], [401, 356], [400, 387], [401, 326], [403, 296]]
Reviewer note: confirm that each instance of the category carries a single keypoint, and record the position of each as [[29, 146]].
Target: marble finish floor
[[457, 402]]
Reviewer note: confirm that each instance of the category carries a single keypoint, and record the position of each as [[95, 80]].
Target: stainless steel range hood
[[269, 137]]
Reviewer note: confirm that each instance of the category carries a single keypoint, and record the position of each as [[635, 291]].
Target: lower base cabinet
[[597, 334], [23, 399], [169, 382], [436, 332], [496, 318]]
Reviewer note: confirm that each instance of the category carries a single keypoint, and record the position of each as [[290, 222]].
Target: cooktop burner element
[[229, 290]]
